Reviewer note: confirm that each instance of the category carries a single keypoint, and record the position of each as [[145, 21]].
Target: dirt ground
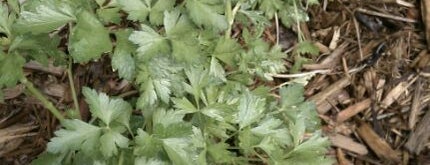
[[370, 84]]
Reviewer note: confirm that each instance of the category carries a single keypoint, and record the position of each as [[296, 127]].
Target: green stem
[[299, 32], [73, 89], [45, 102], [230, 14]]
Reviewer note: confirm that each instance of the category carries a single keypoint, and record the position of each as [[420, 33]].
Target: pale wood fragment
[[341, 158], [425, 15], [377, 144], [418, 139], [348, 144], [320, 97], [57, 71], [353, 110], [416, 104], [330, 61], [394, 94]]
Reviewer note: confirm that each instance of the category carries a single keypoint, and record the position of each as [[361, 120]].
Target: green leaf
[[220, 112], [270, 7], [217, 70], [307, 47], [180, 151], [251, 109], [88, 39], [274, 128], [184, 105], [272, 148], [137, 10], [109, 15], [177, 25], [104, 108], [109, 142], [198, 78], [150, 42], [76, 135], [157, 12], [169, 124], [124, 63], [10, 69], [149, 161], [289, 18], [226, 50], [247, 141], [220, 154], [310, 152], [6, 20], [47, 158], [46, 16], [204, 13], [38, 47], [122, 59], [308, 112], [147, 145], [297, 130], [168, 117], [292, 95]]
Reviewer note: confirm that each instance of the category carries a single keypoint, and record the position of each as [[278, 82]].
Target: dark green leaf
[[46, 17], [10, 69], [88, 39]]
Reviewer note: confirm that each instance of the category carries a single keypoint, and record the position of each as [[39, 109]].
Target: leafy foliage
[[194, 105]]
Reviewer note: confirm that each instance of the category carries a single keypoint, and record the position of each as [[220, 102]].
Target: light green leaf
[[307, 47], [147, 145], [308, 112], [124, 63], [203, 14], [47, 158], [177, 25], [109, 15], [227, 50], [272, 148], [76, 135], [251, 109], [137, 10], [109, 142], [88, 39], [247, 141], [310, 152], [6, 20], [150, 42], [167, 117], [122, 59], [180, 151], [185, 49], [270, 7], [217, 70], [104, 108], [220, 112], [184, 105], [157, 12], [297, 130], [149, 161], [47, 16], [292, 95], [220, 154]]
